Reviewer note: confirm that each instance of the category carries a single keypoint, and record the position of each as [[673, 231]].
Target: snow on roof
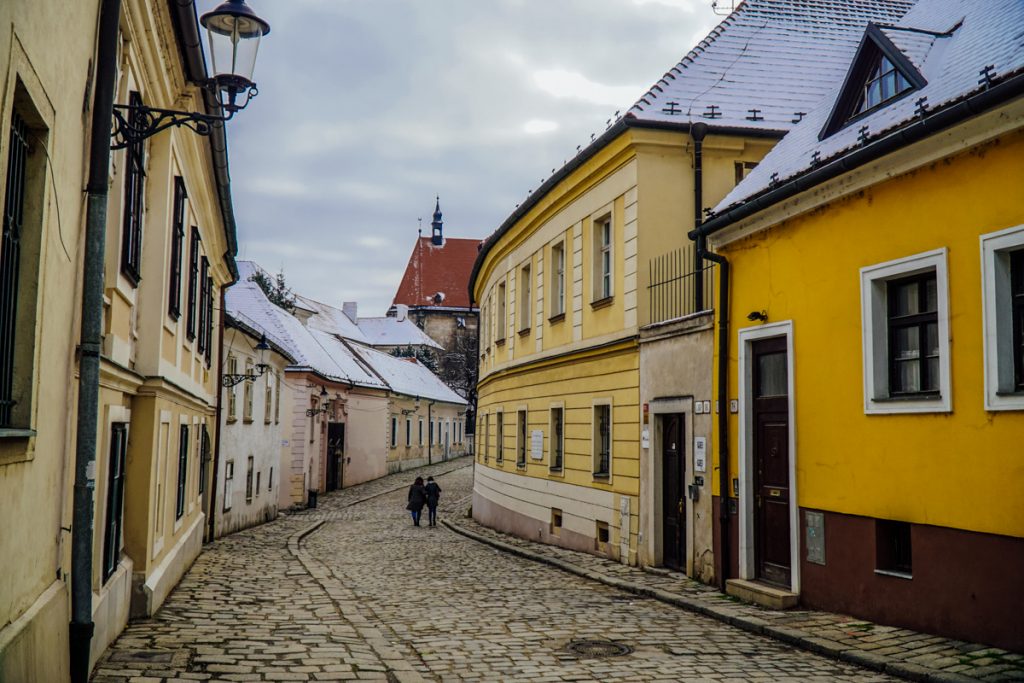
[[390, 331], [952, 64], [777, 57], [408, 376], [438, 275], [327, 318]]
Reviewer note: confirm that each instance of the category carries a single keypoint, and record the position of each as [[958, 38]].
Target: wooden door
[[771, 461], [335, 455], [673, 496]]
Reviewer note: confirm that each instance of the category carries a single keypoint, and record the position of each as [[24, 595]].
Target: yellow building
[[169, 243], [593, 274], [876, 387]]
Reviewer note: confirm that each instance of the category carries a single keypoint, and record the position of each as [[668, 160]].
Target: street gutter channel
[[790, 636]]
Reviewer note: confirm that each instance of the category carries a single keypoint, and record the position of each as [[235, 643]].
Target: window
[[270, 480], [742, 169], [115, 499], [229, 483], [892, 548], [556, 521], [558, 280], [603, 259], [204, 270], [232, 370], [248, 479], [905, 323], [177, 243], [277, 398], [430, 426], [247, 392], [193, 283], [19, 258], [408, 432], [394, 431], [487, 437], [421, 432], [268, 398], [209, 321], [884, 83], [179, 505], [1002, 271], [135, 173], [525, 299], [499, 437], [601, 535], [521, 438], [602, 440], [204, 457], [557, 438], [259, 476], [501, 323]]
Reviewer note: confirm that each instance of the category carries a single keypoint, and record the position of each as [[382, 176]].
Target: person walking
[[433, 493], [417, 498]]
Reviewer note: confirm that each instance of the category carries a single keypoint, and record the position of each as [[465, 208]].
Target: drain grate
[[598, 648]]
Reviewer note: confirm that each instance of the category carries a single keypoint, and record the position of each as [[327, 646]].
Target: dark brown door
[[673, 488], [335, 455], [771, 461]]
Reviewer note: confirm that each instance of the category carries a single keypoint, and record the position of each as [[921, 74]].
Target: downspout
[[81, 628], [220, 399], [723, 410], [697, 132], [430, 431]]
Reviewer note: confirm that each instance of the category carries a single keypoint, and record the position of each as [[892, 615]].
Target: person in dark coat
[[433, 492], [417, 499]]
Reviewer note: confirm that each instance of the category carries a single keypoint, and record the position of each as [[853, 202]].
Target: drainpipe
[[697, 132], [220, 398], [430, 430], [81, 628], [723, 409]]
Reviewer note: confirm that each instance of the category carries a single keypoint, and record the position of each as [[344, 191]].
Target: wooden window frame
[[917, 321]]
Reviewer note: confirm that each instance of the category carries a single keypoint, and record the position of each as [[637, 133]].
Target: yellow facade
[[581, 358]]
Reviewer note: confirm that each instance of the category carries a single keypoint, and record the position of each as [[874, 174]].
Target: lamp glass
[[234, 32]]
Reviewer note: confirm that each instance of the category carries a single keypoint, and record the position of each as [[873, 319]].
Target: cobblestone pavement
[[352, 591]]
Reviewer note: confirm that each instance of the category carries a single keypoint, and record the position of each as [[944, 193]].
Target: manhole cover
[[598, 648]]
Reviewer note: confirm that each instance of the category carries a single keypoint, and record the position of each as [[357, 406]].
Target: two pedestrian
[[433, 492], [417, 499]]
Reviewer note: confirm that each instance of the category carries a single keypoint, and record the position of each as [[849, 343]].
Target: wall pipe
[[698, 131], [81, 627], [220, 403]]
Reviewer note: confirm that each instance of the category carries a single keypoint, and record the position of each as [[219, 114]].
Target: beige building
[[169, 246]]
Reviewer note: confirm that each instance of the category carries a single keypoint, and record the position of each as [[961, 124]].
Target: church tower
[[436, 237]]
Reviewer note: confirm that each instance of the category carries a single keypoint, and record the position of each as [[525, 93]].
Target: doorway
[[771, 471], [673, 464], [335, 455]]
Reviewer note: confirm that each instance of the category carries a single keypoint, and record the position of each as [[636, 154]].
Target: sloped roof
[[327, 318], [973, 36], [390, 331], [408, 376], [776, 56], [438, 276]]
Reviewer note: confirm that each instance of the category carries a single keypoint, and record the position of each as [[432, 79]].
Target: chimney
[[401, 312], [349, 308]]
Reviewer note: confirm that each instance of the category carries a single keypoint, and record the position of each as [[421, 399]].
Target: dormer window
[[884, 83]]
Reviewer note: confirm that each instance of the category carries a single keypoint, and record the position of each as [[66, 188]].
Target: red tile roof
[[438, 270]]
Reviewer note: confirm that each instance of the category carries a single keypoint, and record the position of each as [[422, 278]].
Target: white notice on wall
[[645, 438], [537, 444], [700, 454]]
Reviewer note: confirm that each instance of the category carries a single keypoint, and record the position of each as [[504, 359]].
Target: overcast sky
[[368, 108]]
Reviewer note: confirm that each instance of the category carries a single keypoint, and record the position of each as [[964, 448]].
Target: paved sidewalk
[[895, 651]]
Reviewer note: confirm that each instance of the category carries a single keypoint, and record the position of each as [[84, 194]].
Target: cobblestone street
[[353, 591]]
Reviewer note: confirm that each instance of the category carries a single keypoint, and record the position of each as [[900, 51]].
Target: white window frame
[[525, 296], [875, 334], [601, 276], [558, 279], [501, 321], [997, 332]]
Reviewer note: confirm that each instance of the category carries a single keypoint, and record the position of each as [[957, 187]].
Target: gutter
[[924, 127], [629, 120]]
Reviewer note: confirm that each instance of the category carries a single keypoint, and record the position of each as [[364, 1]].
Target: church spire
[[437, 237]]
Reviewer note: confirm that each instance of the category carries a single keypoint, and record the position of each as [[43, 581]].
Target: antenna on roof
[[724, 7]]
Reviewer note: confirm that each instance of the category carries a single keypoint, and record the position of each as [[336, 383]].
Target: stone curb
[[790, 636]]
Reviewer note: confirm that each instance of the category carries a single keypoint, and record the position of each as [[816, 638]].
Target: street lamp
[[234, 32], [230, 379], [325, 406]]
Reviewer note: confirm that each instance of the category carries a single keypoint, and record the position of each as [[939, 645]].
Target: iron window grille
[[204, 457], [204, 268], [521, 450], [135, 173], [602, 417], [248, 479], [115, 499], [499, 434], [10, 260], [209, 321], [556, 438], [913, 336], [1017, 296], [179, 506], [193, 283], [177, 242]]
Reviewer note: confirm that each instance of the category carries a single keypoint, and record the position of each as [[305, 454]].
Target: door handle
[[680, 506]]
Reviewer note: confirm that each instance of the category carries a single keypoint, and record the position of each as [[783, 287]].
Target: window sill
[[602, 303], [893, 573], [247, 420], [556, 470], [499, 342], [557, 318], [602, 476], [904, 398], [131, 276], [525, 331], [231, 420], [9, 433], [521, 466]]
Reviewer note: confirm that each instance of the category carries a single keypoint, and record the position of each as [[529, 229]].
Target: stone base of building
[[34, 647], [110, 609], [149, 592]]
